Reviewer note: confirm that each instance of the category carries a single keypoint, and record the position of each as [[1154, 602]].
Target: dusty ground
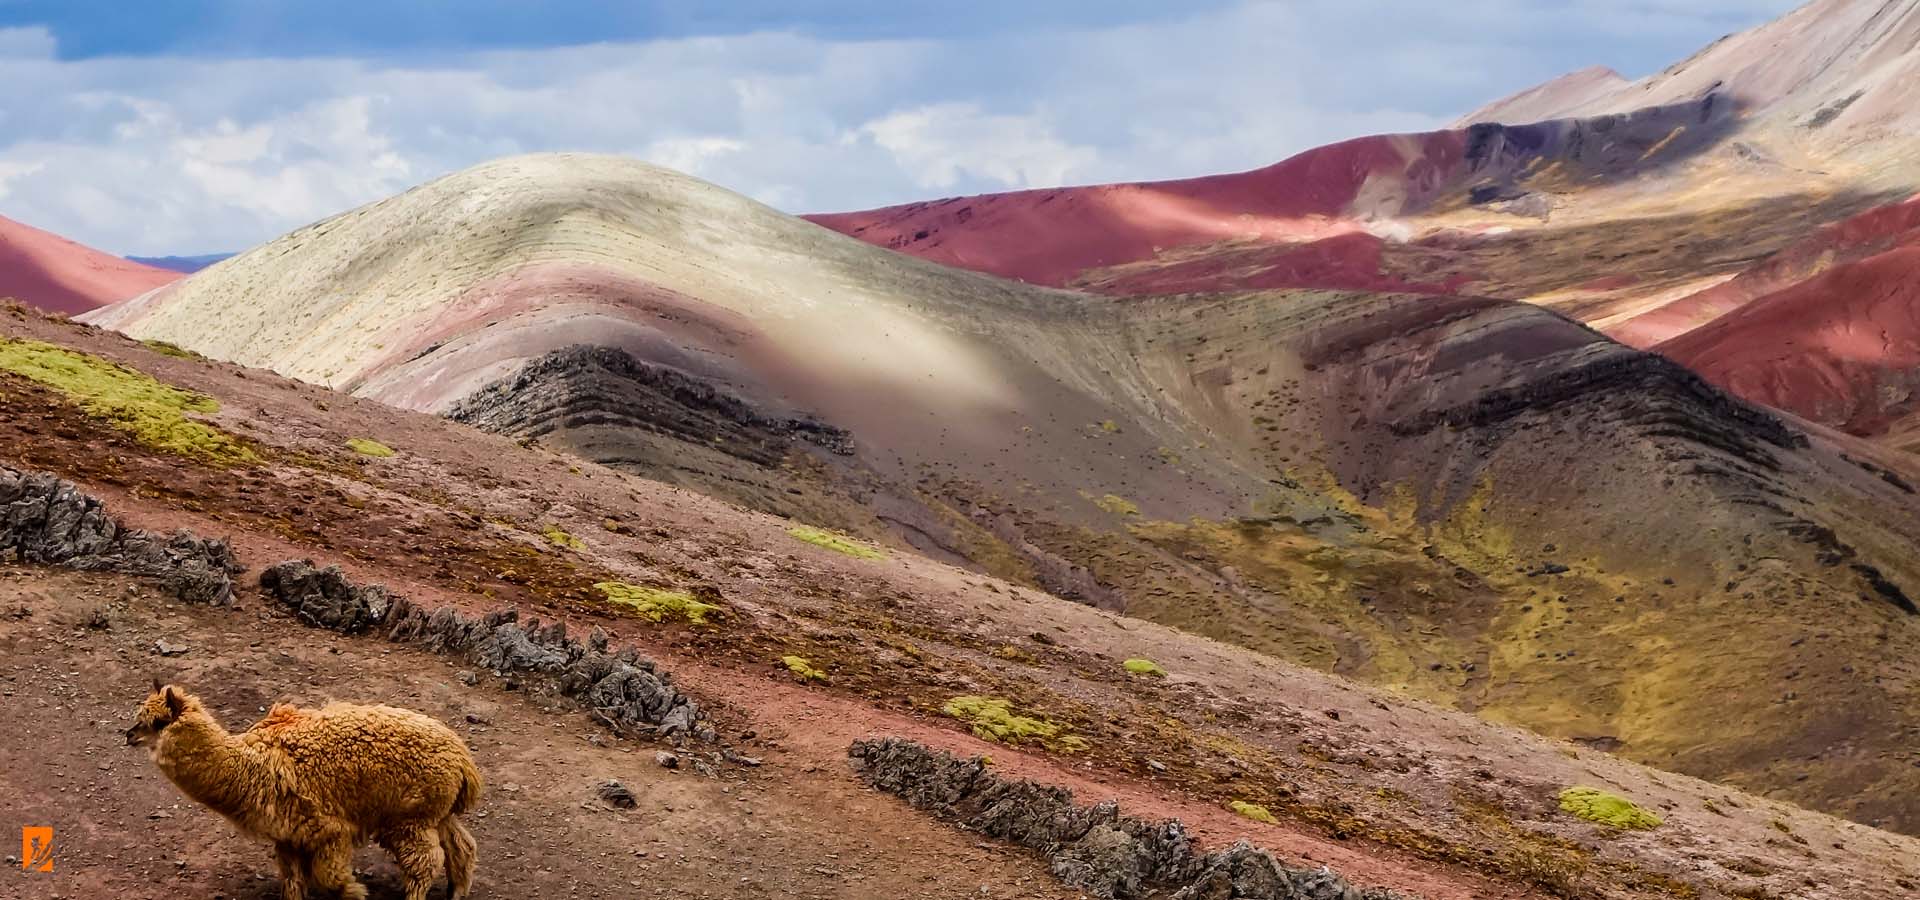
[[800, 826], [1387, 790]]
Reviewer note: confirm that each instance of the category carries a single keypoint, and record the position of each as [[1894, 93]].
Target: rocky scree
[[620, 689], [1089, 848], [582, 386], [50, 521]]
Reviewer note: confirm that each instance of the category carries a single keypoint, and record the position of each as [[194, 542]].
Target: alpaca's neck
[[214, 767]]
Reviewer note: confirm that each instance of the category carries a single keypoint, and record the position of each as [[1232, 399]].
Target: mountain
[[1644, 208], [183, 264], [1337, 217], [1473, 501], [756, 682], [1829, 72], [57, 275]]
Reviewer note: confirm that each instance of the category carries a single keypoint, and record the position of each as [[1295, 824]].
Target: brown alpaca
[[320, 783]]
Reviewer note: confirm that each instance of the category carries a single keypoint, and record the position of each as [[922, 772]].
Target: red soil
[[1842, 348], [1849, 240], [57, 275], [1051, 236]]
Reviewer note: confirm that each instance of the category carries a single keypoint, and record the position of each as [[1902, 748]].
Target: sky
[[196, 126]]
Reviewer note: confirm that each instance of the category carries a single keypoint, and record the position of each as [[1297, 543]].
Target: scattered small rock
[[617, 795], [163, 648], [667, 760]]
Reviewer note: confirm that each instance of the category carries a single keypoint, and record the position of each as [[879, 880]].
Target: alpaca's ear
[[176, 704], [157, 686]]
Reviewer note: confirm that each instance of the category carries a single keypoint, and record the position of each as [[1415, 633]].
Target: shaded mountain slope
[[1386, 790], [1475, 501], [52, 273]]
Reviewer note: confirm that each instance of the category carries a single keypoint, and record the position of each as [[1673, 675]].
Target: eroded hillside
[[1476, 501], [808, 642]]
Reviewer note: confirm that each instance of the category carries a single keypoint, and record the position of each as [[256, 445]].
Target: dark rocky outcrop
[[621, 690], [1089, 848], [50, 521], [581, 386]]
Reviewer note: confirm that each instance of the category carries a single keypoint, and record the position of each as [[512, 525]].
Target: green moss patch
[[1611, 810], [152, 412], [993, 719], [1139, 666], [559, 538], [168, 348], [369, 447], [657, 604], [1253, 811], [802, 668], [838, 543]]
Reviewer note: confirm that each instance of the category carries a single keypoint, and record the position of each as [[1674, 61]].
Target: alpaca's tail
[[469, 794], [457, 843]]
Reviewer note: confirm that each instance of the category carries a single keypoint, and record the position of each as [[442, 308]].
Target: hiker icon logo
[[36, 849]]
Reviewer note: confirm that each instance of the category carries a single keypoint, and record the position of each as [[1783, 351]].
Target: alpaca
[[317, 784]]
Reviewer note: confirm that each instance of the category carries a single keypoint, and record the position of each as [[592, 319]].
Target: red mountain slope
[[1850, 240], [57, 275], [1841, 348], [1052, 236]]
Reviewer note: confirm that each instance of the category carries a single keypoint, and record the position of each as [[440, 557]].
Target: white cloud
[[690, 154], [938, 146], [180, 155], [11, 170], [26, 43]]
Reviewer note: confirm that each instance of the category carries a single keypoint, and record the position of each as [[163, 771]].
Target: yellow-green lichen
[[1118, 505], [838, 543], [657, 604], [559, 538], [1015, 654], [369, 447], [1252, 811], [1607, 809], [152, 412], [1140, 666], [993, 719], [802, 668]]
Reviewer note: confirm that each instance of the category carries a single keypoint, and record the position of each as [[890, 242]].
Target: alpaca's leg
[[332, 865], [293, 871], [417, 851], [457, 843]]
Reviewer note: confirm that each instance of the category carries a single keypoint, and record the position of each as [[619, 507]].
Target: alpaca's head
[[162, 708]]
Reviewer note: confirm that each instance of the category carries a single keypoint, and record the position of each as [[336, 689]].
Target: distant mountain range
[[185, 264]]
